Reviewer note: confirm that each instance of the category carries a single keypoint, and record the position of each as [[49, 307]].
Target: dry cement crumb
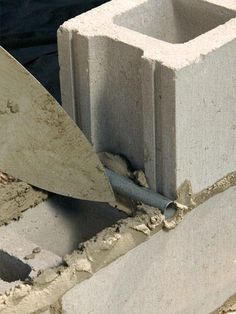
[[140, 178], [36, 250], [4, 178], [30, 256], [142, 228]]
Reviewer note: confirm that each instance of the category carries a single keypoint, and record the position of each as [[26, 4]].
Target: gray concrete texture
[[186, 271], [21, 259], [60, 224], [155, 81], [46, 233]]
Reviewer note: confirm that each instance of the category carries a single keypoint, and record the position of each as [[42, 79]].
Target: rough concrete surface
[[21, 259], [189, 270], [113, 242], [155, 81], [60, 224]]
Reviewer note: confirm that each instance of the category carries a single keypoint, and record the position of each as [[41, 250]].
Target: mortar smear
[[16, 197], [185, 194], [229, 307]]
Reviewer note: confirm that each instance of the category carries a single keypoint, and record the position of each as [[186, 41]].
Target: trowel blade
[[40, 144]]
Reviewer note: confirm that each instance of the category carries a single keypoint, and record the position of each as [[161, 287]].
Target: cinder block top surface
[[174, 32], [22, 249]]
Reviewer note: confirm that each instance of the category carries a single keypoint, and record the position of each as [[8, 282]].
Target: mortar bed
[[102, 249]]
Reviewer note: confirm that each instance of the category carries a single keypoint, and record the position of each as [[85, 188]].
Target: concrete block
[[21, 259], [186, 271], [60, 224], [154, 80]]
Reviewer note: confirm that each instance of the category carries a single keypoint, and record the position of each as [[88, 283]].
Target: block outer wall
[[186, 271], [109, 97], [73, 53], [82, 72], [206, 118], [165, 104], [64, 41], [149, 119]]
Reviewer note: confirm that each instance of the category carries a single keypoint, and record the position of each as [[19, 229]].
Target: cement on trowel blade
[[40, 144]]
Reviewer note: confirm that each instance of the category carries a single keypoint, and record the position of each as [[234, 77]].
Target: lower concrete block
[[186, 271], [60, 224], [37, 242], [21, 259]]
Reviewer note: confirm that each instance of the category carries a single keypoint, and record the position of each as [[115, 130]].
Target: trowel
[[40, 144]]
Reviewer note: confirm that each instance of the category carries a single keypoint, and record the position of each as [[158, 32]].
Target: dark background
[[28, 31]]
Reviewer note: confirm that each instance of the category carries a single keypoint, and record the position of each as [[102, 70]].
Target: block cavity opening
[[174, 21], [12, 269]]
